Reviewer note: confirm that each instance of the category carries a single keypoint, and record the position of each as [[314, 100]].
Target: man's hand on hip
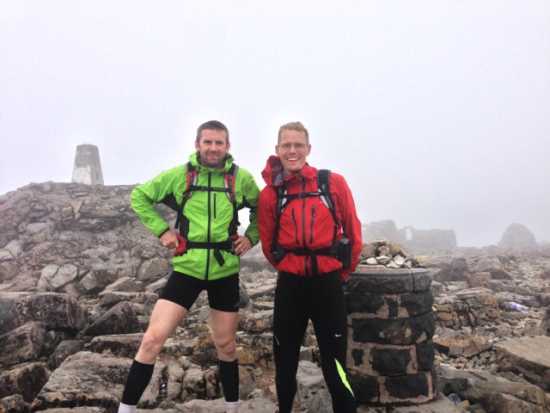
[[169, 239], [241, 245]]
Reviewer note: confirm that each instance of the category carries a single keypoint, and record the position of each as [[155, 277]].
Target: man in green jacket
[[207, 192]]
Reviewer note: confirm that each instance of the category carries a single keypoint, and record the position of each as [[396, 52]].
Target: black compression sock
[[229, 376], [138, 378]]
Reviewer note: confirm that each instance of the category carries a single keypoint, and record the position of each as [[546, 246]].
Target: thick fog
[[437, 112]]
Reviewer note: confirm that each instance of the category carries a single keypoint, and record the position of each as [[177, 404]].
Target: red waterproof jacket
[[307, 222]]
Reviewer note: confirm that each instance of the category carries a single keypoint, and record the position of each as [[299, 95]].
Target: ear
[[197, 146]]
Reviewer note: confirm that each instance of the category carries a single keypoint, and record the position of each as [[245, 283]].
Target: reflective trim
[[343, 376]]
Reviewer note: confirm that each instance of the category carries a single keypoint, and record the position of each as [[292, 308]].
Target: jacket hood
[[194, 159], [274, 175]]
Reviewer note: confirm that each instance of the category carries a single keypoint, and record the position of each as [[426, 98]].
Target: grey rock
[[64, 350], [312, 392], [194, 384], [25, 343], [92, 379], [121, 319], [14, 404], [54, 277], [527, 356], [57, 311], [121, 345], [26, 379], [153, 269], [126, 284]]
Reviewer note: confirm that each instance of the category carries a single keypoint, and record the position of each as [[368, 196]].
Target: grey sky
[[437, 112]]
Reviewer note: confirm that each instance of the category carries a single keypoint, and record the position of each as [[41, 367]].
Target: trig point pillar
[[87, 166]]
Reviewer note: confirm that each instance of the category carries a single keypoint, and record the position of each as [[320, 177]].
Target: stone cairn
[[87, 166], [391, 324]]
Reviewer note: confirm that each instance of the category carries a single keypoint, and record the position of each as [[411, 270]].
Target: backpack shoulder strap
[[230, 179], [190, 180], [323, 178]]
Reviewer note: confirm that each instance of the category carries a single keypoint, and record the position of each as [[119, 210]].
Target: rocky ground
[[79, 276]]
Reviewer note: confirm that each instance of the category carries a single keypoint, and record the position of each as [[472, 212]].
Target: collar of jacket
[[194, 159], [274, 175]]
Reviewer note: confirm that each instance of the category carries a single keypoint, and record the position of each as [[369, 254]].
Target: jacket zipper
[[306, 258], [208, 227], [295, 227], [312, 224], [214, 205]]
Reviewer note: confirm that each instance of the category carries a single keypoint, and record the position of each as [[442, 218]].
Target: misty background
[[437, 112]]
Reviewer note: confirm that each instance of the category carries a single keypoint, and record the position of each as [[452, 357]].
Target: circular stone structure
[[390, 322]]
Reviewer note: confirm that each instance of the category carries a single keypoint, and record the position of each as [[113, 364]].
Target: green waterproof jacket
[[209, 214]]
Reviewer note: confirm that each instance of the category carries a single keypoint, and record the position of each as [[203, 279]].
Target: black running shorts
[[223, 294]]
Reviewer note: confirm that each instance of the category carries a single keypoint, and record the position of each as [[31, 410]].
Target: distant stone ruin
[[416, 240], [517, 236], [429, 239], [87, 166]]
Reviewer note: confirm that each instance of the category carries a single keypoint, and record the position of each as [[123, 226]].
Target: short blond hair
[[295, 126]]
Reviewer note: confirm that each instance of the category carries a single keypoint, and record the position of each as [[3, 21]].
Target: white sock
[[232, 407], [126, 408]]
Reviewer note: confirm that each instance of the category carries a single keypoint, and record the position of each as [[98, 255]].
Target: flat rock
[[528, 356], [122, 345], [95, 380]]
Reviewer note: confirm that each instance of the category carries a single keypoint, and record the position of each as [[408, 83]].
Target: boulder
[[14, 404], [55, 310], [121, 319], [26, 379], [53, 277], [25, 343], [92, 379], [64, 350]]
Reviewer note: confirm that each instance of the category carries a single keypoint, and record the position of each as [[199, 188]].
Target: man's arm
[[266, 222], [350, 221], [251, 193], [146, 195]]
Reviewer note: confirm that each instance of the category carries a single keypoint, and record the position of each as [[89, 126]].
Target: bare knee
[[150, 347], [226, 348]]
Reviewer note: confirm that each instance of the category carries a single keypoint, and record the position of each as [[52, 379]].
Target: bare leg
[[224, 329], [165, 318]]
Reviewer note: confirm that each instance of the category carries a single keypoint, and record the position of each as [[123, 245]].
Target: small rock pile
[[387, 254]]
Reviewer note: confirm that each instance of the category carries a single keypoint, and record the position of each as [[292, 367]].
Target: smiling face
[[293, 149], [212, 146]]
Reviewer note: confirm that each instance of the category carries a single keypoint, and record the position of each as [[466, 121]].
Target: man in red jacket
[[311, 234]]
